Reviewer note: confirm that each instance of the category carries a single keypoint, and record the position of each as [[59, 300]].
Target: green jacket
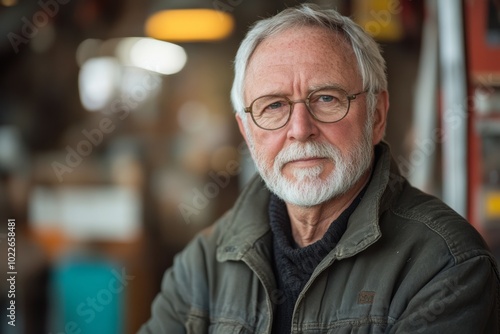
[[406, 264]]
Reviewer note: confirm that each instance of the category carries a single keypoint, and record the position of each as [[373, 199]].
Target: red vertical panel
[[483, 65]]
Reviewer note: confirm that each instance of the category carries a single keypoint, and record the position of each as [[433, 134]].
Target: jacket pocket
[[371, 329], [228, 328]]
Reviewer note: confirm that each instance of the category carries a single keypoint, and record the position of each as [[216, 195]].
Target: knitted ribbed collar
[[305, 257]]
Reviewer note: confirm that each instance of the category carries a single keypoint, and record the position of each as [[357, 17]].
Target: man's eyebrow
[[279, 92], [327, 84], [275, 92]]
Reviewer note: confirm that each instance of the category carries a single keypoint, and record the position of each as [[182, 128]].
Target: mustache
[[307, 150]]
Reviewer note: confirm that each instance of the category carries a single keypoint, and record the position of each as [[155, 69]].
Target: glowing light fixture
[[97, 81], [8, 3], [189, 25], [151, 54]]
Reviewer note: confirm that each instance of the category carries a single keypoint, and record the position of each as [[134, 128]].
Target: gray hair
[[370, 61]]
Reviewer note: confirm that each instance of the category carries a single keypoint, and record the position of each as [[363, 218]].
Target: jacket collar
[[363, 226], [249, 220]]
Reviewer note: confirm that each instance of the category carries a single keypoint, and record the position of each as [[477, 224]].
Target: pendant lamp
[[189, 21]]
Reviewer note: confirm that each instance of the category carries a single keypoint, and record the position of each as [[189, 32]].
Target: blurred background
[[118, 142]]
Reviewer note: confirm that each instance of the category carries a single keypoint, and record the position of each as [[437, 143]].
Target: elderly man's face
[[308, 162]]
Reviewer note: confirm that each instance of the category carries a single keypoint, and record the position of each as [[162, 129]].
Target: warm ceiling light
[[8, 3], [190, 25]]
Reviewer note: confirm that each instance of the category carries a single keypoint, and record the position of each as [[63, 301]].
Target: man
[[333, 239]]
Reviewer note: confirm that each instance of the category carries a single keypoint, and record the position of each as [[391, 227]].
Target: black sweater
[[293, 265]]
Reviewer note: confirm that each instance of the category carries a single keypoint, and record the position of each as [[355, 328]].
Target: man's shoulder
[[212, 234], [241, 225], [432, 222]]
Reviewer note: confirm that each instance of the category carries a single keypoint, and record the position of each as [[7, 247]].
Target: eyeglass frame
[[349, 97]]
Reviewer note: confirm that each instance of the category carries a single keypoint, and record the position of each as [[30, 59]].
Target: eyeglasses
[[326, 105]]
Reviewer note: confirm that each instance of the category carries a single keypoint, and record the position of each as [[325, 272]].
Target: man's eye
[[275, 105], [326, 98]]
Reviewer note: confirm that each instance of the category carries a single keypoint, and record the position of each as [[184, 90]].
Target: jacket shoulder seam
[[458, 255]]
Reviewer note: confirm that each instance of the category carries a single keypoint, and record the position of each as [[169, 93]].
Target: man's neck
[[309, 224]]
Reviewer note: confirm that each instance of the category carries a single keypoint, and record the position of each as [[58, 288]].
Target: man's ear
[[380, 116], [241, 126]]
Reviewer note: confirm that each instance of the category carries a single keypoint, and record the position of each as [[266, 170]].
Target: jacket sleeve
[[179, 306], [462, 299]]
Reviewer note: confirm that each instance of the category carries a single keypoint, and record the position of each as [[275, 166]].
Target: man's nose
[[302, 125]]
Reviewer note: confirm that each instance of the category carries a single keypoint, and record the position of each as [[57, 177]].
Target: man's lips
[[306, 162]]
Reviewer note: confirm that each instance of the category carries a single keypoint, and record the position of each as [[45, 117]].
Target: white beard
[[307, 188]]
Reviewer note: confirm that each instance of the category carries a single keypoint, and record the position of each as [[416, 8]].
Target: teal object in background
[[88, 297]]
